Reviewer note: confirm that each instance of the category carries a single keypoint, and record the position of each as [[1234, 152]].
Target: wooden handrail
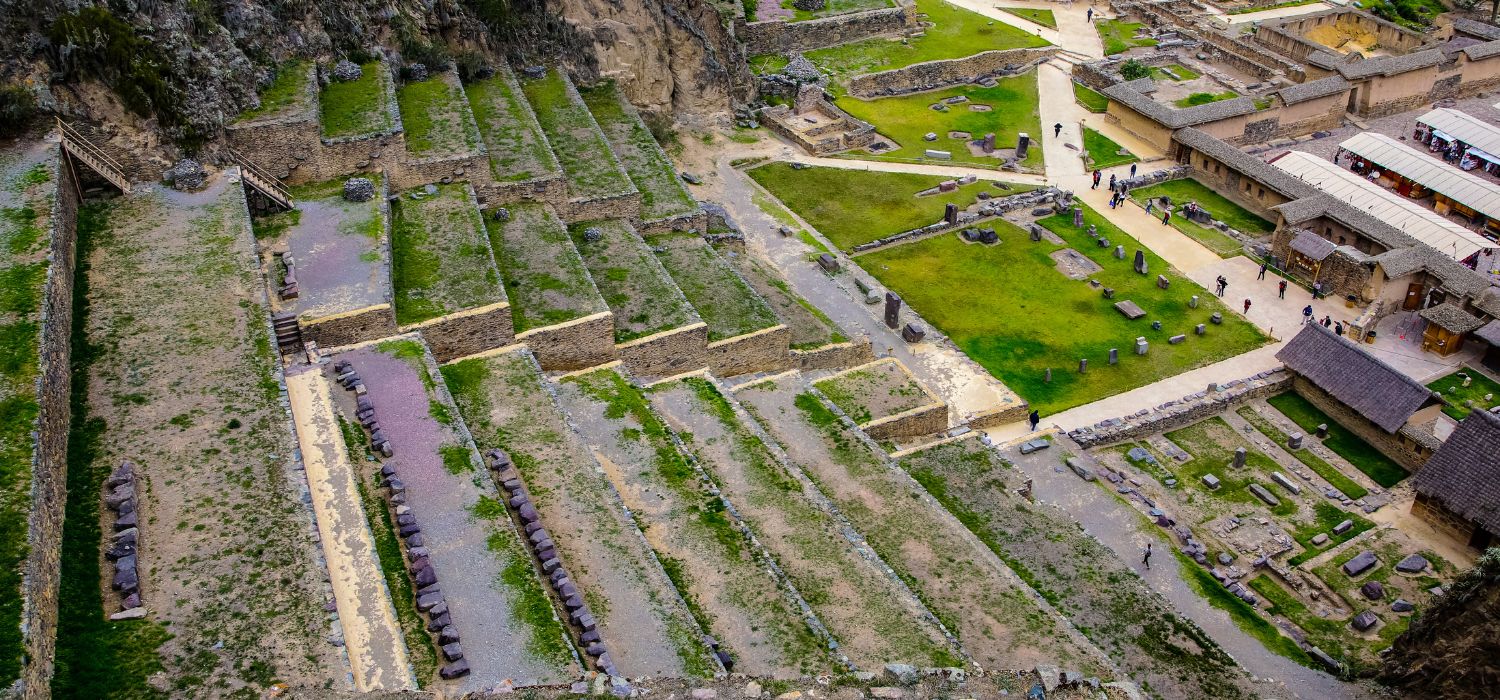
[[263, 181], [69, 133], [93, 156]]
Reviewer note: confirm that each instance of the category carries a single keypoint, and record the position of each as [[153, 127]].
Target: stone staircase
[[288, 333]]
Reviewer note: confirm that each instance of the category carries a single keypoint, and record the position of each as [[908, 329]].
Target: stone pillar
[[1140, 261], [1193, 302], [1322, 431], [1023, 143], [1239, 458], [1120, 255], [1077, 217], [1114, 355], [1047, 376], [892, 310], [1083, 365], [988, 145], [1141, 345], [950, 213]]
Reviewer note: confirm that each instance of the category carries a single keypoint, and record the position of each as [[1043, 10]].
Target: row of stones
[[121, 498]]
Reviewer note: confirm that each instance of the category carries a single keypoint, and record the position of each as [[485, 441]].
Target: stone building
[[1459, 489], [1393, 412]]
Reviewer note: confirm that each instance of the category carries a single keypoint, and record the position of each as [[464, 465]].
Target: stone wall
[[621, 206], [1003, 415], [933, 75], [787, 37], [351, 156], [768, 350], [49, 457], [467, 332], [849, 133], [474, 167], [357, 326], [578, 344], [1184, 411], [1390, 445], [551, 189], [920, 421], [835, 356], [695, 221], [667, 353]]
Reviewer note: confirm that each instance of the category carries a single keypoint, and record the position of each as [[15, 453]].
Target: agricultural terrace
[[586, 159], [358, 107], [662, 194], [877, 390], [518, 151], [1007, 109], [1023, 315], [785, 8], [289, 93], [953, 32], [435, 115], [850, 207], [727, 304], [441, 261], [339, 248], [634, 285], [810, 327], [546, 279], [1180, 192]]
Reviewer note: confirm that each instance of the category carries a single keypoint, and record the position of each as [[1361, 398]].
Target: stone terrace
[[662, 194], [728, 305], [634, 284], [436, 116], [441, 261], [518, 150], [592, 170]]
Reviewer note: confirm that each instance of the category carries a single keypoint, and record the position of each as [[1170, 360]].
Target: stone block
[[1211, 481], [1264, 495], [938, 155], [828, 263], [1365, 620], [1343, 527], [1177, 339], [1372, 590], [1285, 483], [1294, 441], [1129, 309], [1141, 346], [1414, 564], [1035, 445], [1320, 539], [1362, 562], [1402, 605]]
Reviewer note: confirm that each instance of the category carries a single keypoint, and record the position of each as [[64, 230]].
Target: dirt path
[[377, 653]]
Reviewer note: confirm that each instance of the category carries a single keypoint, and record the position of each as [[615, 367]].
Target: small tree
[[1134, 70]]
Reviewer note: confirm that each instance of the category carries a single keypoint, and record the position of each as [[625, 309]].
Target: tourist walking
[[1036, 418], [1307, 316], [1281, 290], [1112, 182], [1247, 306], [1091, 14], [1222, 284], [1317, 290], [1147, 559], [1327, 322], [1096, 180], [1166, 217], [1149, 203], [1132, 169], [1057, 129], [1262, 274], [1338, 328]]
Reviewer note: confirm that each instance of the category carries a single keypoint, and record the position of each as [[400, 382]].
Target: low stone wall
[[577, 344], [357, 326], [849, 133], [667, 353], [695, 221], [467, 332], [940, 74], [351, 156], [1388, 444], [923, 420], [835, 356], [991, 208], [768, 350], [785, 37], [474, 167], [552, 189], [1184, 411], [620, 206], [1003, 415], [49, 456]]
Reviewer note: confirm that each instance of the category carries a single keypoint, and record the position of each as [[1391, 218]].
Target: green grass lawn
[[435, 115], [906, 119], [1103, 151], [1188, 190], [1319, 465], [1090, 99], [1455, 393], [1277, 6], [1118, 36], [768, 63], [1174, 72], [851, 207], [1382, 469], [1327, 515], [1042, 17], [284, 92], [956, 33], [1011, 311], [833, 7], [1203, 98], [359, 106], [1212, 444]]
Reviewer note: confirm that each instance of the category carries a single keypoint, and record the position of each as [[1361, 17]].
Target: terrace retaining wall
[[474, 167], [468, 332], [944, 73], [923, 420], [767, 350], [552, 189], [49, 456], [695, 221], [350, 327], [1180, 412], [835, 356], [667, 353], [785, 37], [620, 206], [577, 344], [999, 416]]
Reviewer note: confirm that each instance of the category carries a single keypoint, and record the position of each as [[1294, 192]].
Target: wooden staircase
[[84, 151], [263, 182]]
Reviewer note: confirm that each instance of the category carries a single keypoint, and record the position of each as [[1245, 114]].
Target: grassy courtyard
[[955, 33], [1203, 98], [1119, 37], [1452, 388], [357, 107], [851, 207], [1014, 313], [1012, 107], [1382, 469], [1103, 151], [1187, 190], [1042, 17], [1090, 99], [436, 117]]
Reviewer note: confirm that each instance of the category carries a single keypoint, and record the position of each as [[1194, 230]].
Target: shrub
[[106, 48], [17, 109], [473, 65], [1134, 70]]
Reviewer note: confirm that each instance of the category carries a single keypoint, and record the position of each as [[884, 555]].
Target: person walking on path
[[1057, 130], [1166, 217], [1327, 321], [1281, 290], [1317, 290], [1096, 180], [1112, 183], [1247, 306], [1091, 14], [1262, 274], [1035, 417], [1338, 328], [1307, 316], [1149, 204], [1132, 169], [1147, 559], [1222, 284]]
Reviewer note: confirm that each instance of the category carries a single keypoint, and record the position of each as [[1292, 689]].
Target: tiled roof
[[1390, 65], [1313, 89], [1255, 168], [1483, 30], [1451, 318], [1356, 378], [1489, 333], [1173, 117], [1464, 474], [1326, 60], [1312, 245], [1485, 50]]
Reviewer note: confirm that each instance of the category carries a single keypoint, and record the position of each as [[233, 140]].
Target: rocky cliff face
[[1453, 650], [189, 66]]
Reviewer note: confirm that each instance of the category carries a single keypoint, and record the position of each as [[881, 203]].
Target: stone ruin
[[346, 70], [359, 189], [120, 497], [187, 175]]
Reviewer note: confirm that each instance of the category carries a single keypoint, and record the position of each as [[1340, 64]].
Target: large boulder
[[187, 175], [359, 189], [346, 70]]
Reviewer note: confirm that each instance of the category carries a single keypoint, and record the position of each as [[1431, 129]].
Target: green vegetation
[[1456, 394], [955, 33], [810, 327], [1320, 466], [1175, 72], [662, 194], [1133, 69], [1326, 516], [831, 8], [17, 110], [1244, 616], [1203, 98], [440, 262], [105, 47], [1042, 17], [1380, 468], [1212, 444], [517, 149], [724, 300], [1103, 151], [878, 391], [905, 119], [850, 207], [357, 107], [1189, 190], [436, 117], [284, 92], [1019, 316], [1412, 14], [1090, 99], [1333, 636], [1277, 6], [544, 275], [635, 287], [1119, 37], [585, 156], [768, 63]]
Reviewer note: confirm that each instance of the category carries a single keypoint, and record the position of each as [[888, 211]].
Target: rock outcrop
[[1451, 650]]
